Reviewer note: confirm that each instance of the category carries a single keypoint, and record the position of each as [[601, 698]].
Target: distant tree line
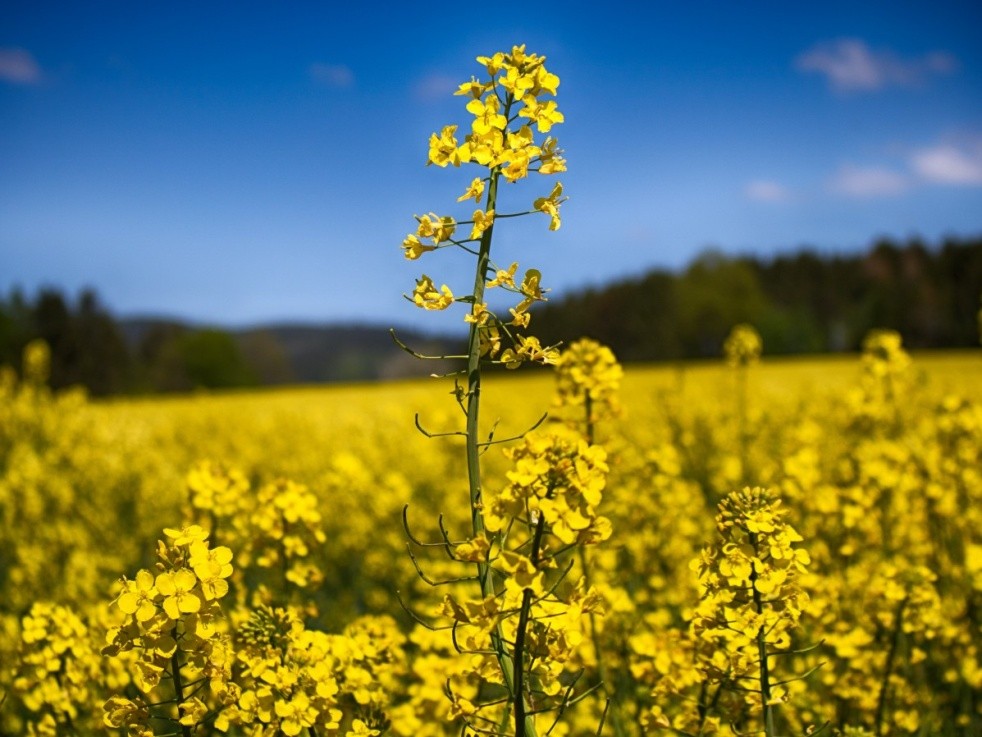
[[800, 303], [90, 348], [805, 302]]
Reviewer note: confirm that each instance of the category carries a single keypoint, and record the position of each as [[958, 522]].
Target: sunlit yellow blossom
[[487, 115], [443, 147], [438, 228], [122, 712], [482, 221], [186, 535], [518, 164], [427, 296], [492, 63], [212, 567], [360, 729], [520, 317], [138, 597], [504, 277], [517, 82], [528, 348], [523, 572], [295, 714], [474, 191], [475, 549], [413, 248], [531, 285], [551, 160], [193, 712], [545, 81], [478, 315], [490, 338], [177, 588], [550, 205], [544, 115], [475, 88], [483, 149]]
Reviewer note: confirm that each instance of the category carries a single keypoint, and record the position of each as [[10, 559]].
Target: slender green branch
[[611, 705], [881, 702], [523, 619], [765, 686], [175, 664], [524, 724]]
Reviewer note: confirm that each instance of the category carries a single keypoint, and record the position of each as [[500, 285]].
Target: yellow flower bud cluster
[[589, 376], [174, 633], [558, 478], [742, 346], [548, 508], [295, 679], [516, 84], [217, 492], [56, 670], [36, 363], [279, 529], [884, 355], [507, 106], [886, 379], [285, 529], [752, 599]]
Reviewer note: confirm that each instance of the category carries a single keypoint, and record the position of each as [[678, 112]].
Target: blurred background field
[[876, 460]]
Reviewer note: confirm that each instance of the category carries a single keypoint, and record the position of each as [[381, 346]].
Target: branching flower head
[[587, 373], [742, 346]]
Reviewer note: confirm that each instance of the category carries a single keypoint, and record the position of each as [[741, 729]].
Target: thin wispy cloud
[[18, 66], [868, 181], [762, 190], [850, 65], [434, 87], [948, 163], [338, 76]]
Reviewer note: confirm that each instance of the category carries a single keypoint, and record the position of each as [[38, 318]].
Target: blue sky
[[239, 162]]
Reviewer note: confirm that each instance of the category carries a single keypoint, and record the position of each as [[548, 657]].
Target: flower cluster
[[886, 377], [295, 679], [508, 107], [516, 85], [883, 354], [173, 631], [742, 346], [277, 529], [559, 480], [588, 376], [55, 669], [752, 599], [285, 528], [218, 493]]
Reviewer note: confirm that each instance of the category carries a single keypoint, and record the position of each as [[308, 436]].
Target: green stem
[[742, 420], [615, 716], [524, 724], [175, 664], [765, 683], [881, 702], [523, 620]]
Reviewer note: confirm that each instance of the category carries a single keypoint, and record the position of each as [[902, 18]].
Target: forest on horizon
[[800, 302]]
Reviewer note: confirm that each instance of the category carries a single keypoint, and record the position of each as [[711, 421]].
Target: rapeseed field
[[737, 547]]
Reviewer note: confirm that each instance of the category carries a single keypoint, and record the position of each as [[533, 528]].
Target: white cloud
[[762, 190], [948, 163], [332, 75], [868, 181], [851, 66], [434, 87], [17, 66]]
